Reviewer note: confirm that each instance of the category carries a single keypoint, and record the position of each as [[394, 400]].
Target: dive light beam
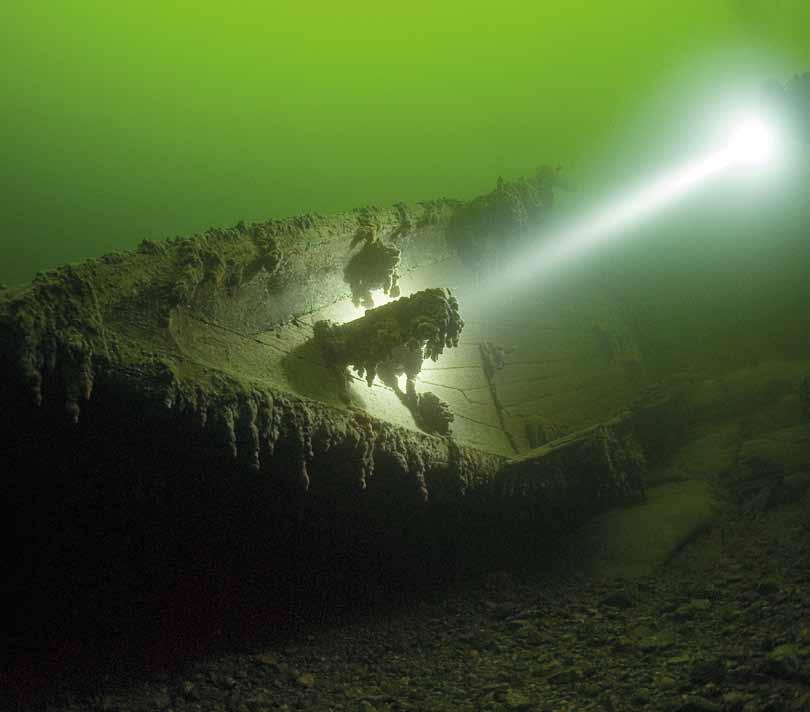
[[751, 143]]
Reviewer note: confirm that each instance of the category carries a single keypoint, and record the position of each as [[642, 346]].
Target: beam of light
[[752, 142]]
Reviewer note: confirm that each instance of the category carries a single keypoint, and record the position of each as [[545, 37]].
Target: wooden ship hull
[[170, 413]]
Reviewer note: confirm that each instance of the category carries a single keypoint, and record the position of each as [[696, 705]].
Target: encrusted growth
[[493, 358], [398, 335], [73, 321], [201, 262], [56, 331], [540, 430], [373, 266], [589, 471], [295, 441], [102, 329], [433, 414], [480, 229]]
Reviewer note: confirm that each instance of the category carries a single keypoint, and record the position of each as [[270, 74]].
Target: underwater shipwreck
[[281, 405], [249, 367], [242, 384]]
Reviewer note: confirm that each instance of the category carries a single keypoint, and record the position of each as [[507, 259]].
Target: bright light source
[[753, 142]]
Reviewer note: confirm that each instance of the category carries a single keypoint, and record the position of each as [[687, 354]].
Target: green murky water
[[128, 120]]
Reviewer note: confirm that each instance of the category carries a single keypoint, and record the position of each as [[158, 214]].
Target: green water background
[[130, 120]]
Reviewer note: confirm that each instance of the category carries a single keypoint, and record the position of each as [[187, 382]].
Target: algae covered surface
[[111, 321]]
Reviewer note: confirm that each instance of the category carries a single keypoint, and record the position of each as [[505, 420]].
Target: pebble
[[700, 604], [783, 661], [728, 639], [515, 700], [618, 599]]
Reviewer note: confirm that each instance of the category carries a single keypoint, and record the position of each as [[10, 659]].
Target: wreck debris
[[56, 335], [595, 468], [374, 266], [540, 430], [493, 358], [404, 360], [199, 263], [481, 229], [430, 412], [125, 331], [403, 333], [298, 442], [102, 331], [433, 414], [395, 339], [405, 225], [70, 322], [432, 213], [108, 321]]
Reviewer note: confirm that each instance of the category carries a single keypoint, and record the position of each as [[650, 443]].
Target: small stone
[[515, 700], [591, 689], [161, 699], [221, 680], [698, 704], [502, 611], [267, 659], [679, 659], [564, 677], [708, 670], [189, 691], [623, 643], [618, 599], [796, 485], [657, 641], [665, 682], [783, 661], [306, 680], [641, 696], [730, 614], [767, 586], [106, 703], [735, 699], [683, 613], [710, 689], [233, 699], [801, 703]]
